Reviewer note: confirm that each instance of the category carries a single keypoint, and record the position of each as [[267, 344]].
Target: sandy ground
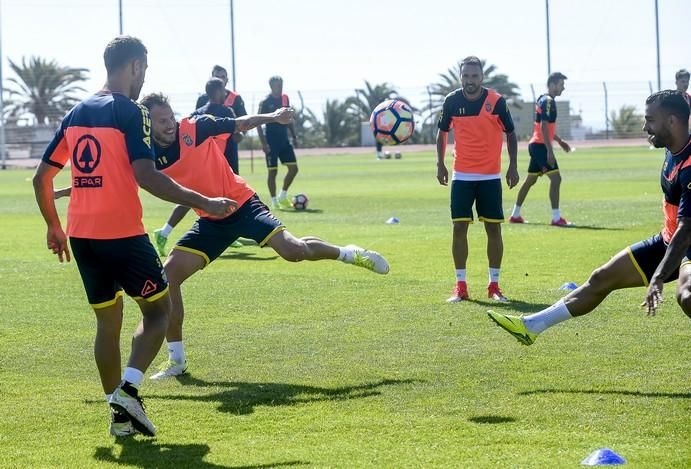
[[259, 156]]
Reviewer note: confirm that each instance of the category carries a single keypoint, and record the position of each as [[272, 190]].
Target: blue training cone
[[603, 457], [569, 286], [393, 221]]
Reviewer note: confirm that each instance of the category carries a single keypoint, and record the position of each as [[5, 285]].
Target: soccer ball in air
[[300, 201], [392, 122]]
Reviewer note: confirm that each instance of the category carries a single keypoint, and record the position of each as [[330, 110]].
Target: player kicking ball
[[662, 258], [188, 151]]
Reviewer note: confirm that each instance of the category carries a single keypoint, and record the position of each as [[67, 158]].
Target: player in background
[[215, 106], [480, 118], [186, 151], [652, 262], [681, 79], [107, 137], [276, 145], [542, 159]]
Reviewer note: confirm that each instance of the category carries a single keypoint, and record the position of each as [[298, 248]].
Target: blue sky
[[327, 48]]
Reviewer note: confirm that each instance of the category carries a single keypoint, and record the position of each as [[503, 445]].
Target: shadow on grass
[[147, 453], [671, 395], [514, 305], [307, 210], [239, 255], [577, 227], [491, 419], [241, 398]]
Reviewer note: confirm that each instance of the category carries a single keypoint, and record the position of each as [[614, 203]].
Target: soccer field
[[327, 365]]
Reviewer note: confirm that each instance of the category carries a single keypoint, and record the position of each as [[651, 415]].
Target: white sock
[[556, 215], [516, 211], [274, 200], [460, 275], [345, 254], [494, 275], [133, 376], [165, 231], [108, 397], [548, 317], [283, 194], [176, 352]]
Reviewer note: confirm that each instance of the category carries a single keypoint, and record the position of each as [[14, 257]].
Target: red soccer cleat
[[494, 293], [560, 222], [518, 219], [460, 293]]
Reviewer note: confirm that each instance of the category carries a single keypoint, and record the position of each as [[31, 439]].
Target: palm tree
[[44, 89], [307, 126], [451, 80], [340, 126], [627, 123]]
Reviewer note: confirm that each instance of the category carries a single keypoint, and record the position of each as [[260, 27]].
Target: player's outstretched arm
[[165, 188], [284, 115], [43, 189]]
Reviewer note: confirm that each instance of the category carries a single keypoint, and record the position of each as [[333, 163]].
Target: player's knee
[[293, 169], [556, 178], [600, 280], [294, 251], [684, 300]]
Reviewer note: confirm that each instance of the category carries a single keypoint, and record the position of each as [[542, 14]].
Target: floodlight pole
[[232, 43], [604, 86], [3, 150], [549, 52], [120, 14], [657, 43]]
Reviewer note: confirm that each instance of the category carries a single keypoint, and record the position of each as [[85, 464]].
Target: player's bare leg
[[495, 253], [107, 345], [311, 248], [290, 176], [180, 265], [684, 288], [271, 183], [529, 182], [459, 251], [554, 187], [620, 272]]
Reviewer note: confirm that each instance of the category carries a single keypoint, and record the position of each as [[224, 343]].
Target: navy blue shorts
[[107, 266], [647, 255], [280, 151], [486, 195], [538, 160], [209, 238]]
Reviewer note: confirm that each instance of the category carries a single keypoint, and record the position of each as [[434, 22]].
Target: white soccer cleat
[[170, 369], [121, 425], [125, 400], [370, 260]]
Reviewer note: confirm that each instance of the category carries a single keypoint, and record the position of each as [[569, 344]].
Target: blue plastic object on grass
[[603, 457], [569, 286], [393, 221]]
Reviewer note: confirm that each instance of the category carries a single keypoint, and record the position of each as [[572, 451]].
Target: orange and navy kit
[[196, 161], [675, 180], [100, 138], [545, 111], [478, 127]]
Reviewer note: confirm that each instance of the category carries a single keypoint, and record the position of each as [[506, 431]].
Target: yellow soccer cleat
[[513, 325]]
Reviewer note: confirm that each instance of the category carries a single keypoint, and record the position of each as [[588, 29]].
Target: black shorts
[[107, 266], [647, 255], [486, 195], [209, 238], [538, 160], [280, 151]]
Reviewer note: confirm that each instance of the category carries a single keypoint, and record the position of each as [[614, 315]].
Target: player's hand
[[220, 207], [512, 176], [442, 175], [57, 242], [266, 148], [565, 146], [653, 296], [237, 138], [284, 115]]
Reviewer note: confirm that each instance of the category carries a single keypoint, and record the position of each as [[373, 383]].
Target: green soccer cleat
[[370, 260], [513, 325], [160, 241], [285, 204]]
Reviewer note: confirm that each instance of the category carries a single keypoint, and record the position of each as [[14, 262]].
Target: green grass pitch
[[327, 365]]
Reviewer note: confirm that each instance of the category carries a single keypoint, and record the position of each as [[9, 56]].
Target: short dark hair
[[121, 51], [154, 99], [683, 73], [213, 86], [472, 60], [218, 68], [555, 78], [275, 79], [672, 102]]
